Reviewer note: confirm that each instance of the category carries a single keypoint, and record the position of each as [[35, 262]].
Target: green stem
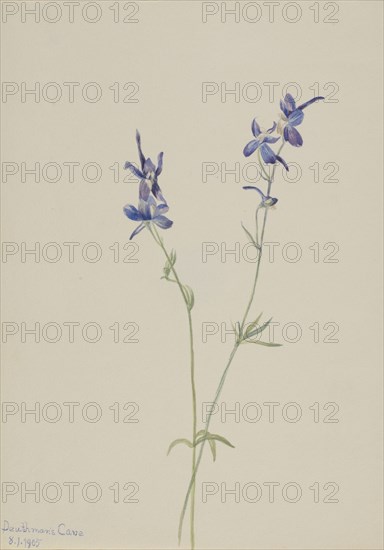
[[262, 165], [257, 225], [159, 241], [192, 483]]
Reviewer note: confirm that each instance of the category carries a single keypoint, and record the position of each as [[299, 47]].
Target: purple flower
[[148, 212], [265, 200], [292, 116], [261, 142], [148, 174]]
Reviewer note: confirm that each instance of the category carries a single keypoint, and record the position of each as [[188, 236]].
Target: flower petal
[[141, 156], [133, 169], [157, 192], [132, 213], [290, 103], [267, 154], [256, 130], [282, 161], [270, 139], [137, 230], [296, 117], [149, 166], [283, 107], [304, 105], [272, 129], [161, 209], [144, 190], [162, 222], [159, 168], [145, 208], [293, 136], [251, 147]]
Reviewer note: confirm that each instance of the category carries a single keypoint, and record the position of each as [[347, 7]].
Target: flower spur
[[265, 200]]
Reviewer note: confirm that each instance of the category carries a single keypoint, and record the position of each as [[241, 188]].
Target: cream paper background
[[169, 53]]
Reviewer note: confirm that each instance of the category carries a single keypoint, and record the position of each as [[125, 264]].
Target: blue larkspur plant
[[261, 141], [266, 200], [291, 117], [148, 174], [148, 212]]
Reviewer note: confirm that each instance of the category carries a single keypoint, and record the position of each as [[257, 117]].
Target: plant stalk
[[159, 241], [192, 483]]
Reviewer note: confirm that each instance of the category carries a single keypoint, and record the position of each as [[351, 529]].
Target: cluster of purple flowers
[[290, 117], [152, 205]]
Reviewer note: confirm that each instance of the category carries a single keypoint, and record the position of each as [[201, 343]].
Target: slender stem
[[274, 169], [194, 428], [257, 225], [192, 482], [262, 165], [159, 241]]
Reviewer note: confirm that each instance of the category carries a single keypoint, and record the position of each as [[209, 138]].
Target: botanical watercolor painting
[[152, 214], [191, 265]]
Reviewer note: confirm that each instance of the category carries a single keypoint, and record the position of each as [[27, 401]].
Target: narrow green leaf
[[189, 296], [177, 442], [269, 344], [214, 437], [169, 264], [250, 333], [167, 269], [212, 444], [172, 257], [250, 237], [256, 321], [253, 325]]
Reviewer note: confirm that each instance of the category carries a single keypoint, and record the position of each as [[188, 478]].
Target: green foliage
[[254, 329], [169, 264], [189, 296], [178, 442], [269, 344], [201, 436], [250, 236], [246, 335]]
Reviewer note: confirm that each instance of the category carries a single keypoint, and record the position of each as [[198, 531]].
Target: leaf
[[189, 296], [250, 236], [214, 437], [169, 264], [269, 344], [172, 257], [252, 331], [201, 436], [212, 444], [166, 270], [238, 332], [177, 442], [254, 324]]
